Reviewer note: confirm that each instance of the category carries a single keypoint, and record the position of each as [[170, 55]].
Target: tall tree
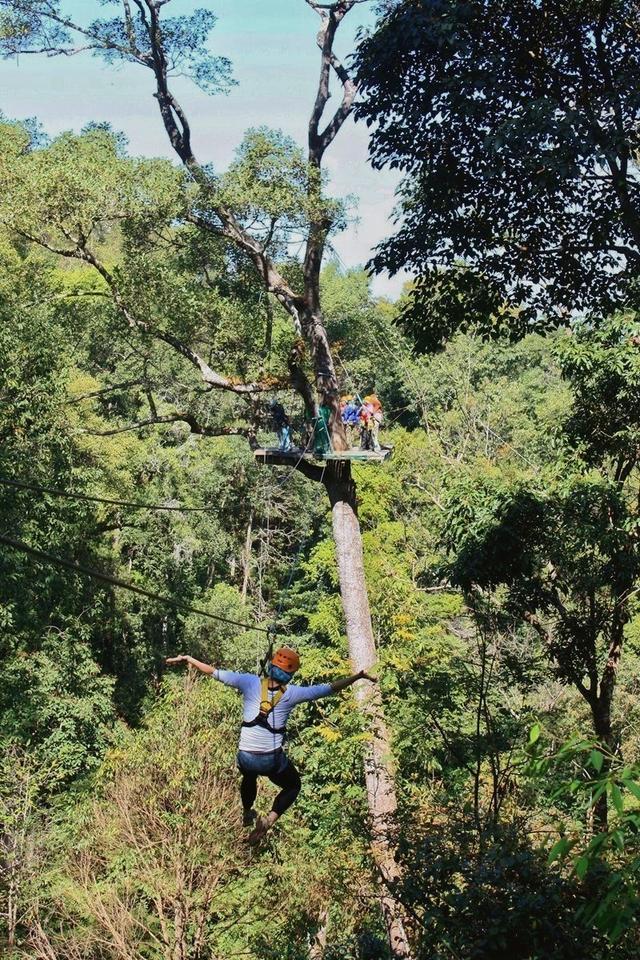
[[560, 549], [142, 34], [516, 124]]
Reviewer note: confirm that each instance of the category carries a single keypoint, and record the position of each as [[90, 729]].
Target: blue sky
[[275, 61]]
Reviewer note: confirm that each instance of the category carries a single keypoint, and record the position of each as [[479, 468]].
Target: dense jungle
[[151, 312]]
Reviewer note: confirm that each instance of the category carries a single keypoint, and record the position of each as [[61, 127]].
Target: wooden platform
[[276, 456]]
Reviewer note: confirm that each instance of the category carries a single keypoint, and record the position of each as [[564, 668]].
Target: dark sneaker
[[248, 818], [259, 831]]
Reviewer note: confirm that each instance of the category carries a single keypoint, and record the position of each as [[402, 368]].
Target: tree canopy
[[488, 571], [516, 127]]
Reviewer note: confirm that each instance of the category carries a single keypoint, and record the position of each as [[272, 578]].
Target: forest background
[[500, 542]]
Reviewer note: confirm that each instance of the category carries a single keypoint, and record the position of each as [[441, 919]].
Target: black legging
[[288, 779]]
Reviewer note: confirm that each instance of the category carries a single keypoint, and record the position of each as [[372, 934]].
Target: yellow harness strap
[[267, 705]]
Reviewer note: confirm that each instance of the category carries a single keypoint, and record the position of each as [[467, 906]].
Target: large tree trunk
[[379, 776], [319, 943], [326, 379]]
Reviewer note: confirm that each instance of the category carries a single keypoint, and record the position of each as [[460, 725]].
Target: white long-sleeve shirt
[[257, 739]]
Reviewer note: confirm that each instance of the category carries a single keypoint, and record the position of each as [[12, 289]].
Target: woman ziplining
[[267, 703]]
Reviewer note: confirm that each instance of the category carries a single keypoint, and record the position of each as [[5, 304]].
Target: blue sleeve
[[240, 681], [304, 694]]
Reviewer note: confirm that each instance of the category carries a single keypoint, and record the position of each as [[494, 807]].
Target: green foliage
[[268, 185], [154, 824], [79, 185], [34, 24], [452, 299], [562, 542], [56, 701], [499, 542], [154, 858], [220, 642], [516, 127], [606, 863], [603, 366], [489, 523], [492, 902], [430, 652]]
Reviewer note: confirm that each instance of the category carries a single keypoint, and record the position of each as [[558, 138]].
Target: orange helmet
[[287, 659]]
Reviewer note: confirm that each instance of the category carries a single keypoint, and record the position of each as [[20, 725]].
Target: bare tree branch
[[98, 393], [213, 380], [129, 24], [178, 130], [318, 142], [273, 280], [47, 11], [188, 418]]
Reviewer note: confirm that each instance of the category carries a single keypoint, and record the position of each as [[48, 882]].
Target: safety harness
[[266, 707]]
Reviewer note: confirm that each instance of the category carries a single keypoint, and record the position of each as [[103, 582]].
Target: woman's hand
[[338, 685], [196, 664], [363, 675]]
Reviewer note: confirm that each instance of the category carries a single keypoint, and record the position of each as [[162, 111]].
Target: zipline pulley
[[272, 632]]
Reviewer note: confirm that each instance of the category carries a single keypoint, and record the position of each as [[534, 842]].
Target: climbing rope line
[[398, 411], [485, 426], [350, 378], [290, 473], [260, 598], [276, 625], [294, 567], [49, 558], [71, 495], [407, 370], [265, 546]]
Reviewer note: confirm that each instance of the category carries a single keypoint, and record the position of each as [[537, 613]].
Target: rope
[[294, 567], [135, 505], [350, 378], [295, 563], [266, 499], [290, 473], [486, 426], [117, 582]]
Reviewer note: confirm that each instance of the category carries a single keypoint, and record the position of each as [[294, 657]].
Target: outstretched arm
[[185, 658], [339, 685], [318, 690]]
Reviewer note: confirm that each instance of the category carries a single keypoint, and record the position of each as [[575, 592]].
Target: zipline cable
[[291, 472], [22, 547], [295, 563], [350, 378], [70, 495]]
